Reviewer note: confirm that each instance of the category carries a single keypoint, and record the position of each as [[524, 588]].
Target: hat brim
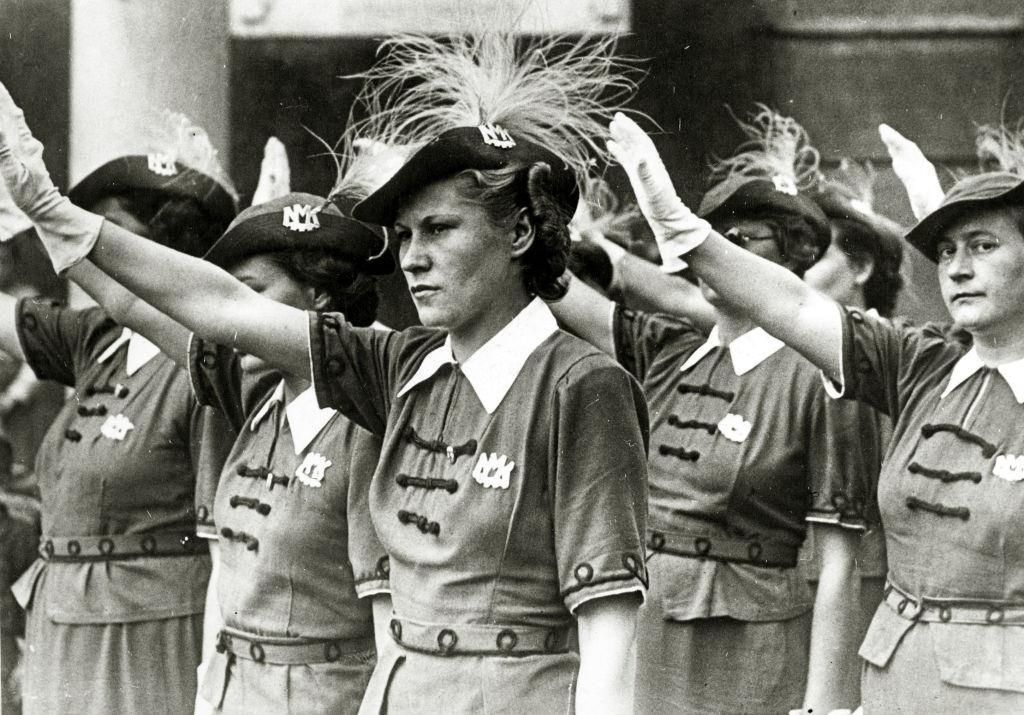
[[745, 195], [970, 194], [132, 172], [890, 233], [457, 150]]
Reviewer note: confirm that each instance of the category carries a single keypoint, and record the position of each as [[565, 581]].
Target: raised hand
[[677, 229], [914, 170], [67, 232], [275, 174]]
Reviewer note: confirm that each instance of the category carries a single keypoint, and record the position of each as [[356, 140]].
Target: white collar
[[140, 351], [747, 351], [493, 368], [306, 419], [970, 363]]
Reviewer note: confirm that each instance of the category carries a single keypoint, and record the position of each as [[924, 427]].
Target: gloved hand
[[914, 170], [677, 229], [68, 232], [275, 174]]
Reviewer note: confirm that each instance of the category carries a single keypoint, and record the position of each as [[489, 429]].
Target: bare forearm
[[833, 671], [585, 313], [644, 286], [607, 634], [774, 298], [382, 622], [205, 299], [9, 341]]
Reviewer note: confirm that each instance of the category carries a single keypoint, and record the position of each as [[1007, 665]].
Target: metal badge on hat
[[495, 135], [784, 184], [161, 164], [300, 217]]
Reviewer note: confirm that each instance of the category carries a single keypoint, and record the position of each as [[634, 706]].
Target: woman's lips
[[423, 291]]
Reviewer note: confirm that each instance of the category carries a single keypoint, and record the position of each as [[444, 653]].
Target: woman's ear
[[317, 299], [523, 233], [863, 267]]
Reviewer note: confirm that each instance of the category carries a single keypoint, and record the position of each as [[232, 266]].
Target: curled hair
[[861, 244], [350, 289], [176, 222], [502, 193]]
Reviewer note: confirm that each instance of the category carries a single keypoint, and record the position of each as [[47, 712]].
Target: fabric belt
[[722, 548], [120, 546], [282, 651], [477, 639], [952, 610]]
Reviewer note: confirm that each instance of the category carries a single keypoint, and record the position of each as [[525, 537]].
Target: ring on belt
[[120, 546], [952, 610], [477, 639], [284, 651], [722, 548]]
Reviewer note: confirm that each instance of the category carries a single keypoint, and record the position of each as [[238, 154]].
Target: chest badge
[[734, 428], [1009, 467], [312, 470], [493, 471], [116, 427]]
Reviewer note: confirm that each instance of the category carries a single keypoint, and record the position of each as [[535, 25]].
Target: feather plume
[[601, 212], [557, 92], [175, 136], [777, 149], [366, 164], [854, 182], [1001, 148]]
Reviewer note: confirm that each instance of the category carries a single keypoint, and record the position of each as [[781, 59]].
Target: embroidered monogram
[[493, 470], [1009, 467], [495, 135], [116, 427], [161, 164], [784, 184], [311, 471], [734, 428], [300, 217]]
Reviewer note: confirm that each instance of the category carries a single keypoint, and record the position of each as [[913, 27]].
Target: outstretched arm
[[646, 287], [773, 297]]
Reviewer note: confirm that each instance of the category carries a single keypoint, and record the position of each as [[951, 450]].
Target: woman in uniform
[[745, 452], [511, 489], [115, 601], [947, 635]]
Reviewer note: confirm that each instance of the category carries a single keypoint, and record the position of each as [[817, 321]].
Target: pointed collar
[[493, 368], [970, 363], [140, 351], [306, 419], [746, 352]]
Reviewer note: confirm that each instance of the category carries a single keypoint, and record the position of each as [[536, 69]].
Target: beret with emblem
[[487, 102], [769, 172], [303, 221], [848, 193]]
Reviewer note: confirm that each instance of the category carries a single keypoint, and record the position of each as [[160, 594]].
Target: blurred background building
[[87, 70]]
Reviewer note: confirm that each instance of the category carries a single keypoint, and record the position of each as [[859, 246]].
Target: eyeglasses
[[743, 240]]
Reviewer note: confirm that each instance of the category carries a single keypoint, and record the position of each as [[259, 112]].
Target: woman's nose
[[412, 257], [960, 265]]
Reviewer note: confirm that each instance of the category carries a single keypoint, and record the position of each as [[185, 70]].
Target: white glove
[[914, 170], [275, 174], [68, 233], [676, 229]]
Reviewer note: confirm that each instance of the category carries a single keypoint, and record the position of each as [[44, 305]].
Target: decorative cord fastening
[[679, 452], [960, 512], [117, 390], [254, 504], [251, 542], [988, 449], [453, 452], [98, 411], [942, 475], [405, 481], [262, 473], [705, 391], [422, 523], [692, 424], [72, 435]]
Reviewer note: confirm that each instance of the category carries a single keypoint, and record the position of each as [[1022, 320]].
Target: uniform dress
[[745, 449], [949, 635], [114, 603], [290, 512], [511, 489]]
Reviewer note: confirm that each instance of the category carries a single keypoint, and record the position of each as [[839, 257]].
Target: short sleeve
[[212, 439], [844, 459], [639, 337], [218, 381], [600, 484], [369, 560], [883, 363], [59, 341]]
